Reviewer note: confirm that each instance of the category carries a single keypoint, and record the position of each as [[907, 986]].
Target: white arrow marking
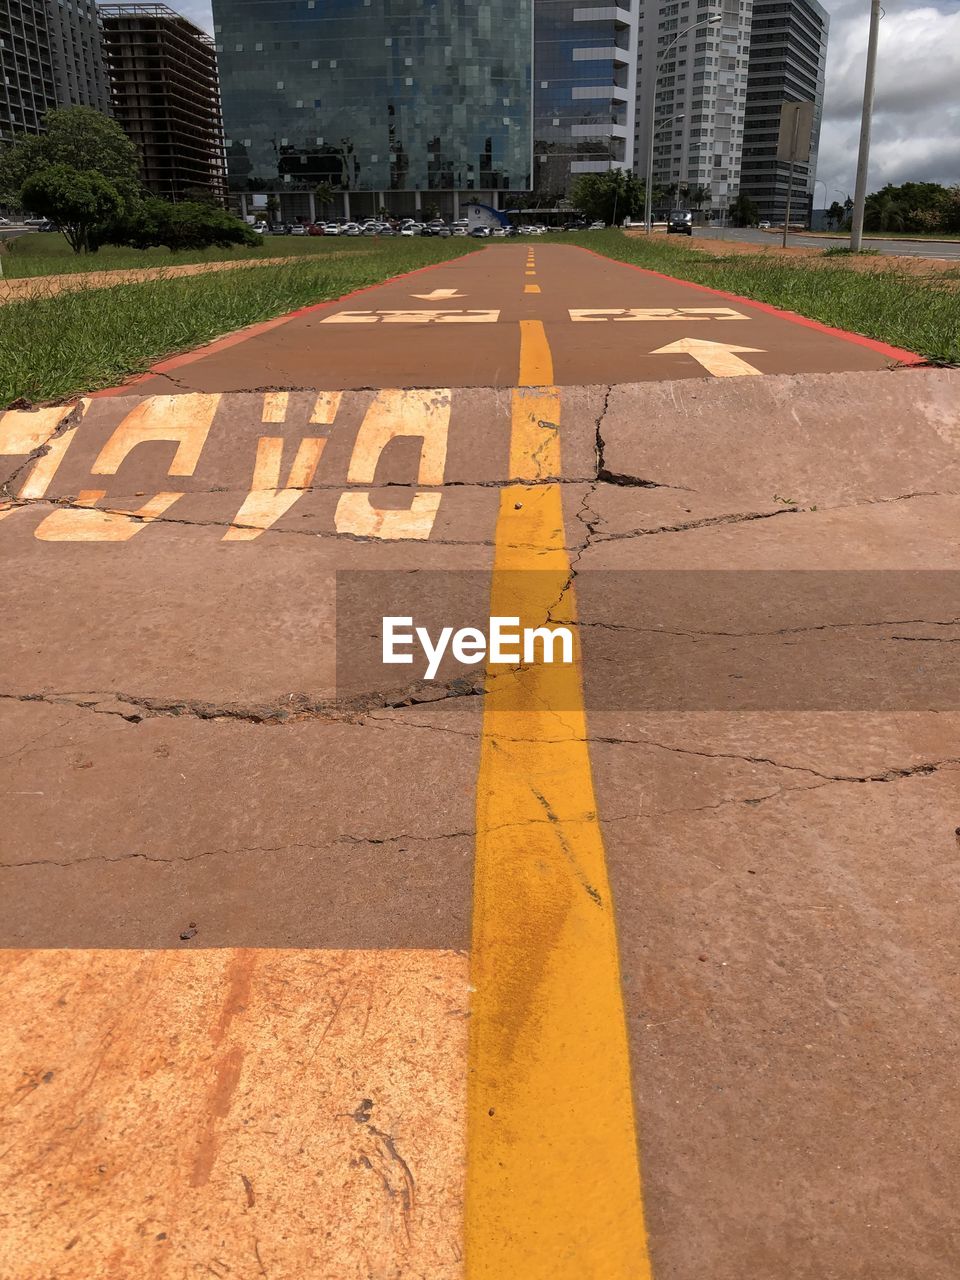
[[438, 294], [716, 357]]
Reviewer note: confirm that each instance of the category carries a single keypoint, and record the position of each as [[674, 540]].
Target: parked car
[[597, 226], [298, 229], [331, 228], [478, 233], [499, 232], [443, 232], [459, 231], [5, 222], [350, 229], [33, 222], [48, 226], [260, 228], [409, 229], [680, 223], [764, 225]]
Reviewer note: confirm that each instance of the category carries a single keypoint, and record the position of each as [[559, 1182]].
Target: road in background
[[947, 250]]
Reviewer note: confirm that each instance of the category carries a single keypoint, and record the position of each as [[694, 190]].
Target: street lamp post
[[863, 159], [711, 20]]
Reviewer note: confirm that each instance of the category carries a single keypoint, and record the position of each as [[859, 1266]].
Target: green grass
[[918, 313], [52, 348], [48, 255]]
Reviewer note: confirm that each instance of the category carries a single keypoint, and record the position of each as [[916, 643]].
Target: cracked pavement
[[237, 880]]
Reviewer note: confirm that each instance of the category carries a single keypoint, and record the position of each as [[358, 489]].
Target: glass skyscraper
[[395, 101], [584, 91]]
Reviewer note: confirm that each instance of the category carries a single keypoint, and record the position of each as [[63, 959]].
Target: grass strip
[[52, 348], [49, 254], [918, 313]]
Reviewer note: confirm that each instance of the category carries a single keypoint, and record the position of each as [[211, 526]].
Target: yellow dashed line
[[531, 288], [553, 1180]]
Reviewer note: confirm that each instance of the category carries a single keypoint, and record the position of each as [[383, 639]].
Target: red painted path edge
[[252, 331], [883, 348]]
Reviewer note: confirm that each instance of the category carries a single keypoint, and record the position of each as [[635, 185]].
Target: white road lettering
[[598, 315]]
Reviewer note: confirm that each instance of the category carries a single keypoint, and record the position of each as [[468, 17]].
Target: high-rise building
[[696, 86], [788, 52], [386, 101], [79, 73], [50, 56], [166, 97], [585, 71], [26, 68]]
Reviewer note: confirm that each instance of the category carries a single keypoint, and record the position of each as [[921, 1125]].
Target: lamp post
[[711, 20], [863, 159]]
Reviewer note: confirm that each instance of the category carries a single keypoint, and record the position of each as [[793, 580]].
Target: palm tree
[[324, 194], [699, 196]]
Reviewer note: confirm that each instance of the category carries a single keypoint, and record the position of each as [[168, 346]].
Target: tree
[[81, 138], [699, 196], [836, 214], [609, 197], [743, 211], [187, 225], [273, 207], [324, 194], [80, 201]]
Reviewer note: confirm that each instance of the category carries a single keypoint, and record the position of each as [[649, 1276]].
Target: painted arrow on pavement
[[717, 358], [438, 294]]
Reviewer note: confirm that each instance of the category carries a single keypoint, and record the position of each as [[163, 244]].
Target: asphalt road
[[641, 964], [941, 249]]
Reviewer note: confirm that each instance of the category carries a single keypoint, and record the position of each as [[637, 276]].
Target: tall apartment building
[[26, 68], [166, 97], [385, 100], [788, 53], [50, 56], [585, 75], [696, 86], [79, 72]]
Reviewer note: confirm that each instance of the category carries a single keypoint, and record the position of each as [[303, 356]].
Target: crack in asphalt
[[297, 707], [73, 418], [789, 631]]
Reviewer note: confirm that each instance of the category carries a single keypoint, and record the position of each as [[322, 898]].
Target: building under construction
[[166, 97]]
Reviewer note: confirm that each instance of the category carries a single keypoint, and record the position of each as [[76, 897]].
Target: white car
[[331, 228], [499, 231], [598, 226], [298, 229], [459, 231], [260, 228], [351, 229], [763, 226]]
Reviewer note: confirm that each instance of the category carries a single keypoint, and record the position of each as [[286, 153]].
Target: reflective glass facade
[[584, 89], [376, 95]]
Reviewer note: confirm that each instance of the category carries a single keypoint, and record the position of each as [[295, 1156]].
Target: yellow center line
[[531, 288], [553, 1178]]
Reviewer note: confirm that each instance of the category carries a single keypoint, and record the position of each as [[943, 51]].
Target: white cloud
[[916, 121]]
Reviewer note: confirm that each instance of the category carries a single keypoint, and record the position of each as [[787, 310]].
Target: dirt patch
[[19, 289], [817, 257]]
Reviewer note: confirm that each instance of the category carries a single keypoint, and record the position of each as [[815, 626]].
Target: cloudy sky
[[916, 123], [916, 127]]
